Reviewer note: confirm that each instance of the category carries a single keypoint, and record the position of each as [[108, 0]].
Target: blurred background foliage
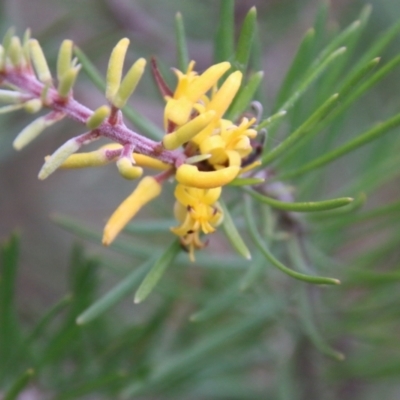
[[200, 336]]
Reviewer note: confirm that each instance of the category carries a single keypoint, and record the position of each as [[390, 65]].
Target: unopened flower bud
[[39, 61], [188, 131], [64, 58], [127, 170], [15, 51], [33, 130], [98, 117], [129, 83], [115, 66], [67, 81], [58, 157], [33, 106]]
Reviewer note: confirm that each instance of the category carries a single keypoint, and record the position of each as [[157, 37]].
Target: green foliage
[[207, 330]]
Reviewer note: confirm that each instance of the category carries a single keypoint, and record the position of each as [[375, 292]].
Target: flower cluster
[[201, 150]]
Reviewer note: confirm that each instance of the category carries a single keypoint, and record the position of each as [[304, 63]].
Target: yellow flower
[[189, 90], [197, 210]]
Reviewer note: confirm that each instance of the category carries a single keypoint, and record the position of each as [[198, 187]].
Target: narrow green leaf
[[232, 233], [251, 224], [310, 328], [216, 305], [365, 277], [91, 71], [346, 92], [376, 49], [245, 96], [361, 140], [114, 295], [224, 39], [142, 123], [358, 202], [150, 227], [297, 68], [321, 21], [85, 232], [305, 84], [213, 341], [157, 271], [9, 337], [306, 308], [307, 206], [181, 46], [252, 274], [19, 385], [301, 131], [340, 40], [47, 318], [246, 181], [245, 41], [271, 120]]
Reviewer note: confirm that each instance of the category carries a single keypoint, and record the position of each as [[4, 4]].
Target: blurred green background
[[90, 195]]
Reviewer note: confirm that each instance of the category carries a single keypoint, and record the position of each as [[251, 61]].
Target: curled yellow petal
[[147, 189], [115, 66], [127, 170], [39, 61], [206, 80], [150, 162], [129, 83], [225, 94], [188, 131], [189, 175]]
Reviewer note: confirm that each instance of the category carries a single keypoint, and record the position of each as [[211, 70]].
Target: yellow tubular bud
[[64, 58], [147, 189], [127, 170], [39, 61], [189, 175], [31, 131], [2, 57], [188, 131], [114, 70], [67, 81], [25, 46], [97, 118], [33, 106], [226, 93], [15, 51], [207, 80], [129, 83], [150, 162], [58, 158], [83, 160], [10, 96]]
